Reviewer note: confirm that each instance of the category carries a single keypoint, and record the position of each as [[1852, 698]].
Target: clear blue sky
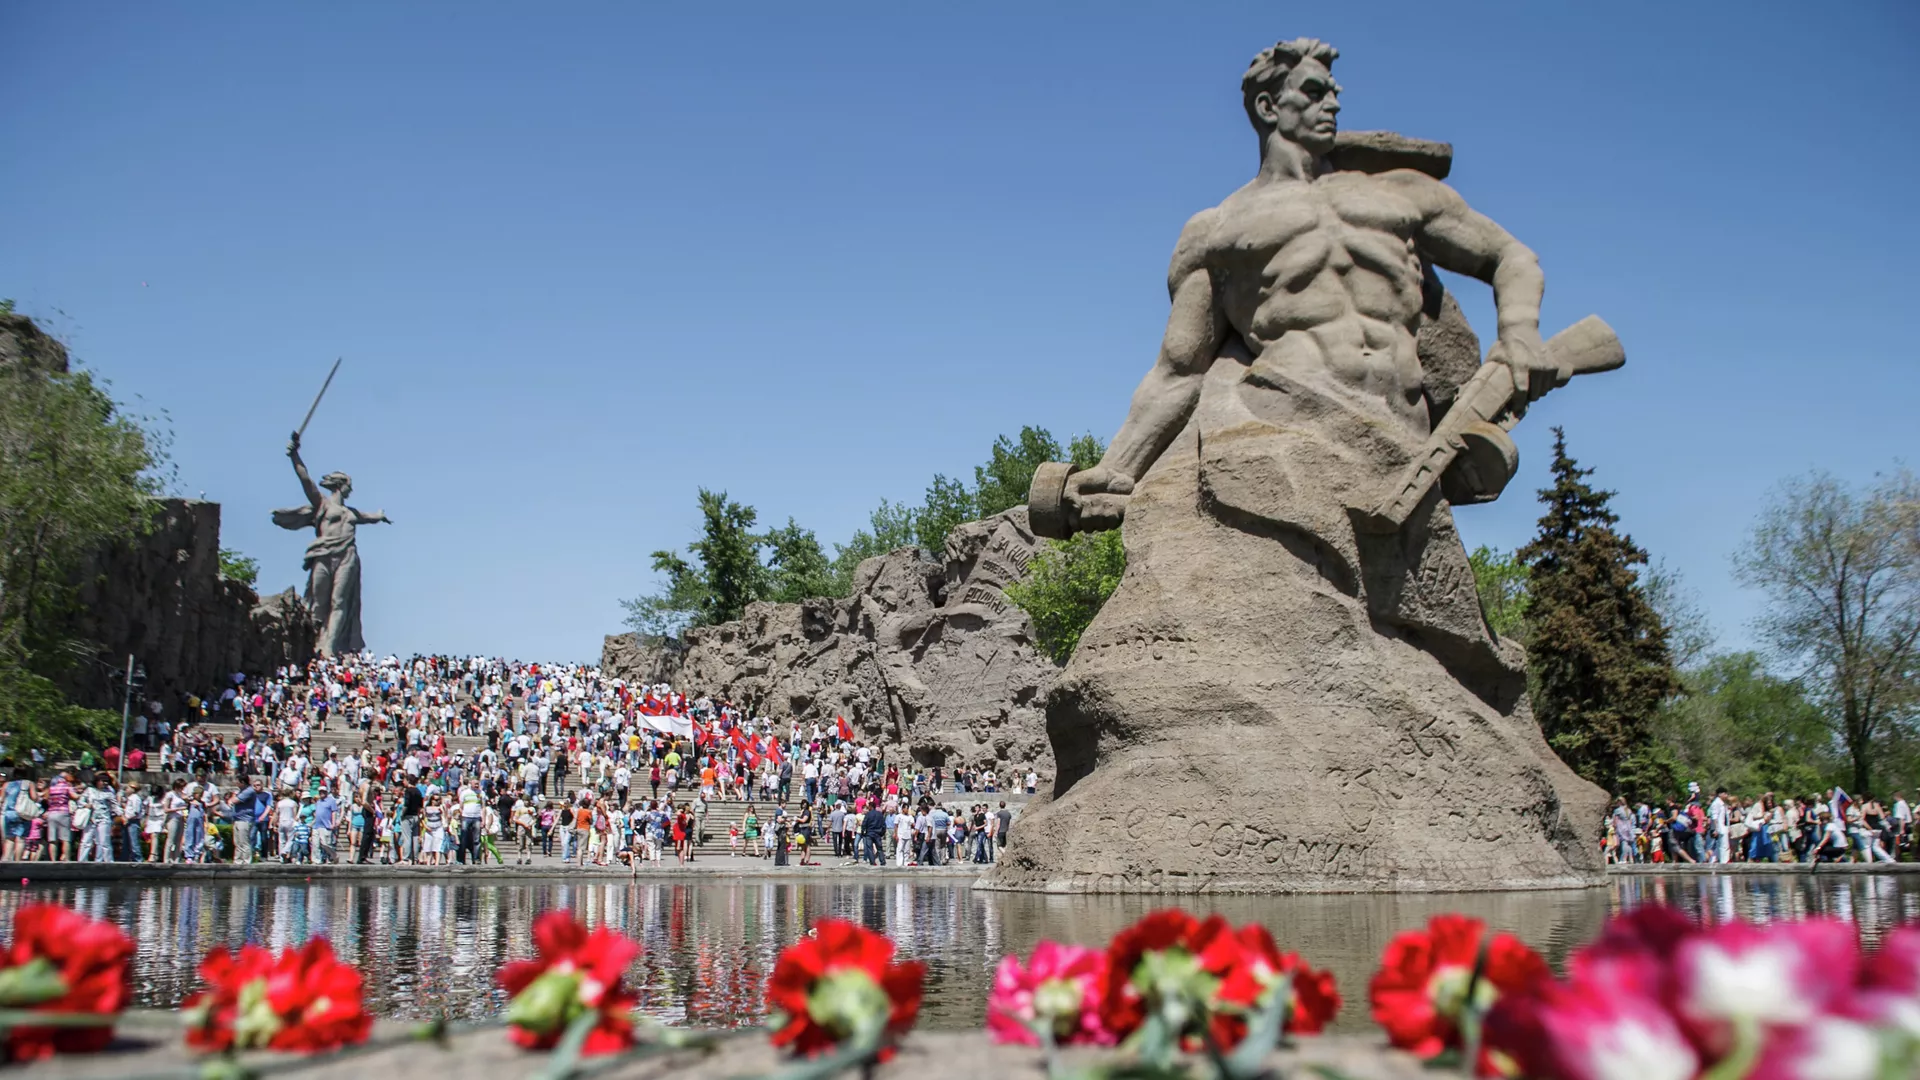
[[581, 259]]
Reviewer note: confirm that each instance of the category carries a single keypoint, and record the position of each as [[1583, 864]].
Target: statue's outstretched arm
[[300, 470], [378, 517], [1166, 397], [1458, 238]]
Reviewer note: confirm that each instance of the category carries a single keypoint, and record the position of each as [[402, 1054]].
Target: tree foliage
[[669, 612], [1501, 581], [76, 474], [1598, 659], [724, 576], [889, 528], [237, 567], [731, 566], [798, 568], [948, 504], [1737, 726], [1841, 573], [1002, 482], [999, 484], [729, 555], [1067, 583]]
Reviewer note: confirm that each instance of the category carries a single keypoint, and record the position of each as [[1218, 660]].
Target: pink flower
[[1588, 1031], [1895, 966], [1059, 987], [1827, 1048], [1783, 975]]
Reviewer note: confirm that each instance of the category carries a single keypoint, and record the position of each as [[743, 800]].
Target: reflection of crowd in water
[[1830, 827], [707, 948], [437, 760]]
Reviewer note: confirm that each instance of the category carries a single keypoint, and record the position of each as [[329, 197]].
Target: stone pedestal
[[1272, 702]]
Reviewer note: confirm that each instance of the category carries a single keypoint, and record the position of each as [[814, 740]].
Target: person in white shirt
[[287, 816], [1902, 815], [1721, 851]]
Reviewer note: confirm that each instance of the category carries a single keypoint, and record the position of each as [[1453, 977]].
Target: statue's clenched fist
[[1097, 499]]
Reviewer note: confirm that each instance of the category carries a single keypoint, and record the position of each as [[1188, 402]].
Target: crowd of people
[[1829, 827], [557, 761]]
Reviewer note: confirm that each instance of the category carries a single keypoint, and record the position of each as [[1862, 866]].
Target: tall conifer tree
[[1598, 659]]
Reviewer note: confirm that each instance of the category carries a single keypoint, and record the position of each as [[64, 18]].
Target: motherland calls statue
[[332, 562], [1293, 686]]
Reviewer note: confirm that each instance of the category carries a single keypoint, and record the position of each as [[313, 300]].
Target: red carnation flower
[[577, 972], [1419, 995], [841, 982], [304, 1000], [1248, 965], [92, 959], [1122, 1007]]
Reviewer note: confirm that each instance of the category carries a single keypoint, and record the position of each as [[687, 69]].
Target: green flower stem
[[1739, 1062], [1472, 1013], [35, 982]]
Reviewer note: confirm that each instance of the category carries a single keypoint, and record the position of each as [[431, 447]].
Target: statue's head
[[337, 482], [1289, 91]]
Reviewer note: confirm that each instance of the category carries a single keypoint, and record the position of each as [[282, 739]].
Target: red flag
[[741, 743], [773, 751], [846, 729]]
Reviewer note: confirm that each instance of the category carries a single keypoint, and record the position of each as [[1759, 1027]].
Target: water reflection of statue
[[332, 561]]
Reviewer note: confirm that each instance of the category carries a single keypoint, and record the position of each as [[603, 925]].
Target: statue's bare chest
[[1279, 232]]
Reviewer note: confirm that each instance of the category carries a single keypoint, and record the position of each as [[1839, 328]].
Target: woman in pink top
[[57, 825]]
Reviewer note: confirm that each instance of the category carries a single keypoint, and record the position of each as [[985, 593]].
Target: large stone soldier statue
[[1293, 686], [333, 560]]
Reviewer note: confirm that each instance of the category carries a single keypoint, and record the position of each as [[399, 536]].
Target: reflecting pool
[[709, 946]]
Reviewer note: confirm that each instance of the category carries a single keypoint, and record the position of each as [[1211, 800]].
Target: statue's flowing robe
[[332, 563]]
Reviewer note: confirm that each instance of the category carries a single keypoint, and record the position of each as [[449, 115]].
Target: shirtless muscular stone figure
[[1273, 699]]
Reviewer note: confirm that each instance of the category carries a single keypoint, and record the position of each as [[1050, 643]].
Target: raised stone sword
[[316, 400]]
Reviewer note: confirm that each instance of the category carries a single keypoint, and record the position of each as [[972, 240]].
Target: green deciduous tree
[[948, 504], [1841, 572], [76, 474], [798, 568], [1501, 581], [729, 555], [1002, 482], [788, 564], [1734, 725], [1067, 583], [889, 527], [1598, 659], [237, 567], [669, 612]]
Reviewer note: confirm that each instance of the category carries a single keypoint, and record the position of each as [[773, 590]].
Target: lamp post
[[126, 716]]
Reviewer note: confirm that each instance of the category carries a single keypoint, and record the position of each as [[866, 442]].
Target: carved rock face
[[160, 596], [925, 655]]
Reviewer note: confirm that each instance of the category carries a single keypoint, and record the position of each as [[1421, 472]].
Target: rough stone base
[[1237, 719]]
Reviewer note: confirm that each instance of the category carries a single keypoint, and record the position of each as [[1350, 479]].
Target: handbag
[[25, 808]]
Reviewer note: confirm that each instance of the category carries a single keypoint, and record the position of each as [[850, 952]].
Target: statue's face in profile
[[1305, 109]]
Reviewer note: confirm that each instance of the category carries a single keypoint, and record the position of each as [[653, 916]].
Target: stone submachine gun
[[1469, 455]]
